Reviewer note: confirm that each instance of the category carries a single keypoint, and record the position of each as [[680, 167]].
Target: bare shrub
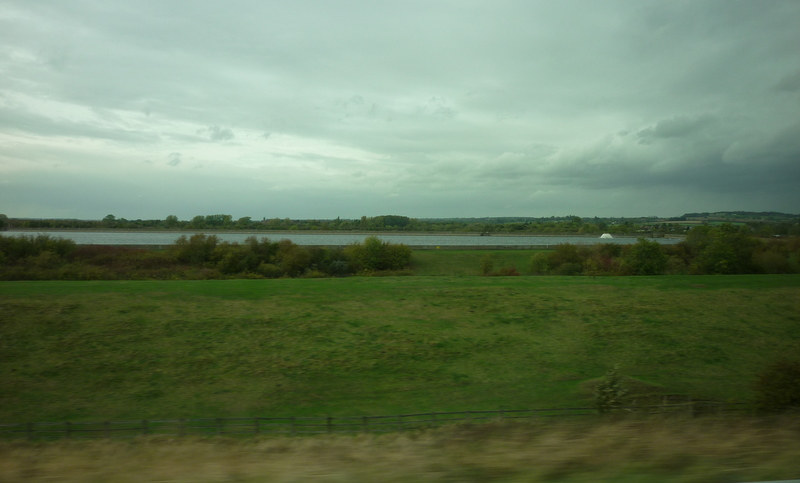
[[778, 387]]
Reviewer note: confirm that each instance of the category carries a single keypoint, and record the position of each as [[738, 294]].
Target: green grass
[[468, 262], [291, 347]]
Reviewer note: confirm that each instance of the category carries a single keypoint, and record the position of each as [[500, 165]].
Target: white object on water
[[606, 235]]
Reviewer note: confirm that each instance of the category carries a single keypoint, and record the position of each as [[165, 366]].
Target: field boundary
[[305, 425]]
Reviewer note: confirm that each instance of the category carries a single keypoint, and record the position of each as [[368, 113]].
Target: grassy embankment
[[344, 347]]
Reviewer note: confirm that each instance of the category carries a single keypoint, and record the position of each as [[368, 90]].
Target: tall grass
[[700, 450]]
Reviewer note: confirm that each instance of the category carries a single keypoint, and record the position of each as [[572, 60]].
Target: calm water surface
[[333, 239]]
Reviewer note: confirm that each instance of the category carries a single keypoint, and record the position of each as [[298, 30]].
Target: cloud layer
[[311, 109]]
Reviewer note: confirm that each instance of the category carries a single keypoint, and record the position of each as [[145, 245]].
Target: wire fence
[[298, 426]]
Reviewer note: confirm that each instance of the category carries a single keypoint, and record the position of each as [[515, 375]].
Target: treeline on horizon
[[724, 249], [761, 224]]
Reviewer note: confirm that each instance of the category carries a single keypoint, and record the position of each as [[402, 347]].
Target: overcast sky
[[430, 108]]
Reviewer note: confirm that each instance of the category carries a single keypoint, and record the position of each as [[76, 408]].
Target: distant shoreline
[[335, 232]]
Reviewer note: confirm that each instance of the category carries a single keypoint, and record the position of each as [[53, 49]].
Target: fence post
[[400, 422], [365, 424], [433, 418]]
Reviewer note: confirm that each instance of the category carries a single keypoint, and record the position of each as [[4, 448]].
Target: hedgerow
[[197, 257]]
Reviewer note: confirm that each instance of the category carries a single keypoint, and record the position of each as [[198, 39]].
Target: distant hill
[[740, 216]]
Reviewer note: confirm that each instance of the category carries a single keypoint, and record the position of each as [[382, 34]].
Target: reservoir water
[[420, 240]]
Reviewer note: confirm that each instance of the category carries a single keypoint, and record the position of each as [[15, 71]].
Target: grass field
[[353, 346]]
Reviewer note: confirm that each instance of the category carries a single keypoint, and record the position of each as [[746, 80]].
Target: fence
[[297, 426]]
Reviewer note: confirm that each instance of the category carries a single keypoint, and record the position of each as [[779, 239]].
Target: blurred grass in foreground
[[669, 450]]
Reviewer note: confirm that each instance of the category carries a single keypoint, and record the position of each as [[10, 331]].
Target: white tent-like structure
[[606, 235]]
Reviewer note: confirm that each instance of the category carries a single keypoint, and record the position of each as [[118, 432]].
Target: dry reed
[[679, 450]]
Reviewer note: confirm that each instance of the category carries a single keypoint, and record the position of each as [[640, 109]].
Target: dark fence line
[[296, 426]]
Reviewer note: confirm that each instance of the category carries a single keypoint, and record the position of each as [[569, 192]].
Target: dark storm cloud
[[676, 127]]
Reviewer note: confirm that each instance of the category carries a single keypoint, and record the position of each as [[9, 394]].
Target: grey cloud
[[676, 127], [180, 137], [438, 108], [38, 124], [220, 134], [441, 103], [216, 133], [789, 82], [174, 159], [764, 164], [779, 149]]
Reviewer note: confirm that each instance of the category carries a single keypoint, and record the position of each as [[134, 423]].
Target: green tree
[[197, 250], [218, 221], [109, 221], [198, 222], [591, 267], [645, 257], [487, 265], [698, 238], [390, 221], [292, 258], [564, 254], [397, 256], [234, 258], [376, 255], [171, 221], [540, 263], [373, 253], [18, 248], [726, 249], [263, 249]]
